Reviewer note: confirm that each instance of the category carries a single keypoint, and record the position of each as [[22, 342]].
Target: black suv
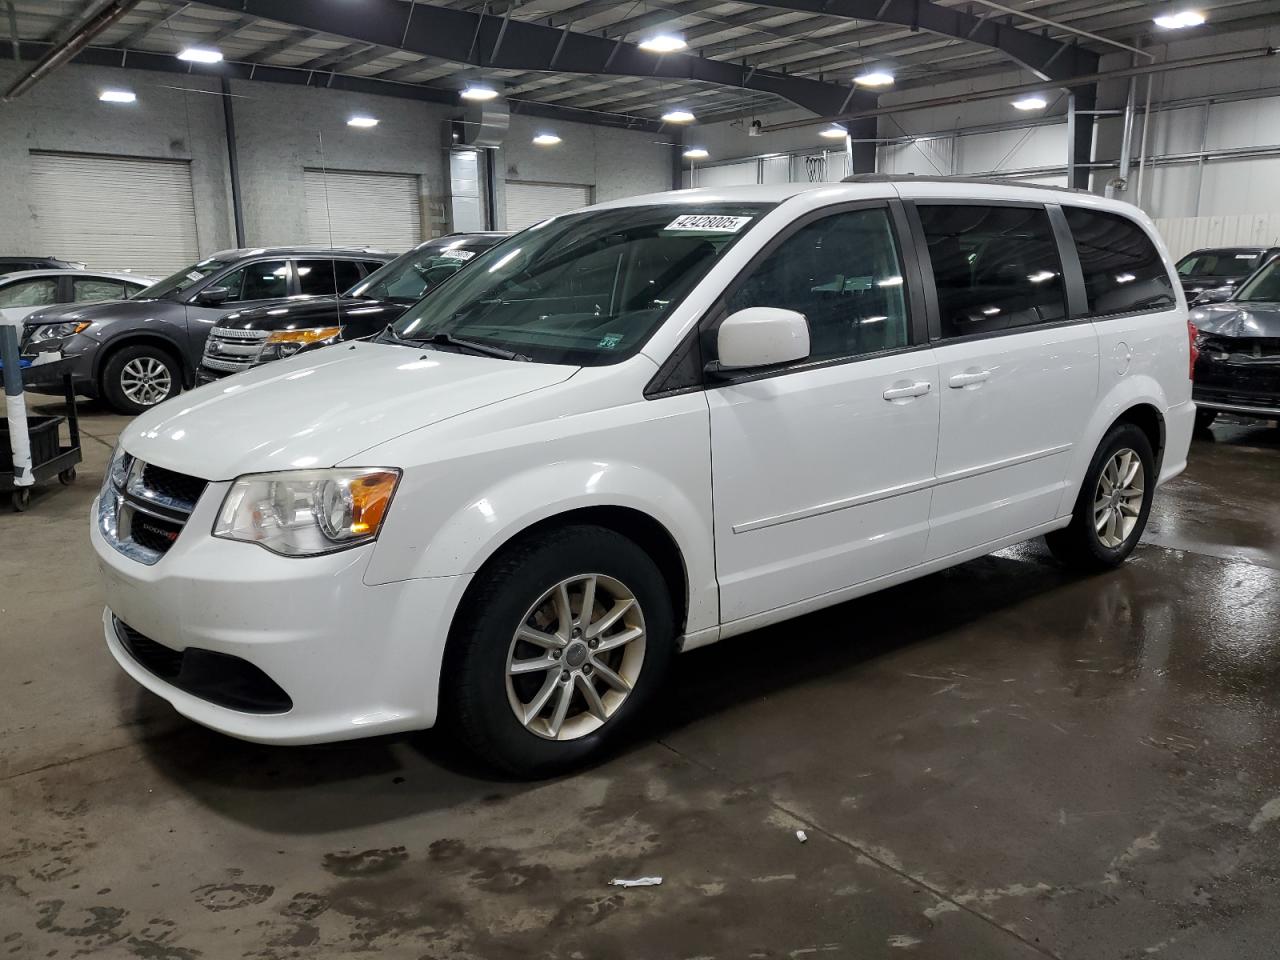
[[138, 352], [272, 331], [1220, 268]]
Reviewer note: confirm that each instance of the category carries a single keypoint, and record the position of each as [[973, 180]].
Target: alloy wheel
[[146, 381], [575, 657], [1117, 501]]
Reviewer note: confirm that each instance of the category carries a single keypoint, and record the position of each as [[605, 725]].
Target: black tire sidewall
[[478, 646], [1119, 437], [111, 370]]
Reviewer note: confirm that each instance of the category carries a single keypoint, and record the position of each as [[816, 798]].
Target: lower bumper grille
[[219, 678]]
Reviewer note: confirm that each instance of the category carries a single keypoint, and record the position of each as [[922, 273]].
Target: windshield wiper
[[483, 349], [389, 335]]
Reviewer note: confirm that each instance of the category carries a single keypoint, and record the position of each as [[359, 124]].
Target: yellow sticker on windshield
[[707, 223]]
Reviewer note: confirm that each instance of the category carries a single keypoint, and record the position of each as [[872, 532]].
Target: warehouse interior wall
[[280, 131]]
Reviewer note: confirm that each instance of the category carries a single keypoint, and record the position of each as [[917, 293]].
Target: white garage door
[[381, 210], [527, 203], [114, 213]]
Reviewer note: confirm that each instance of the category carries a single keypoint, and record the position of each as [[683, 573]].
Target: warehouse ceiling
[[579, 57]]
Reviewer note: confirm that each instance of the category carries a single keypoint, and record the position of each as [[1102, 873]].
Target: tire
[[1081, 546], [1204, 418], [137, 378], [480, 695]]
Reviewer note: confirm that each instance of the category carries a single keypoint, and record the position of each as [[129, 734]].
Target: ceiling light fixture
[[200, 55], [663, 43], [546, 139], [1180, 20], [874, 78], [477, 91], [117, 96], [696, 153], [1030, 103], [678, 116], [834, 132], [362, 122]]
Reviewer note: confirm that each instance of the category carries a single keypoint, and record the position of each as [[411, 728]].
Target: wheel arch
[[142, 338]]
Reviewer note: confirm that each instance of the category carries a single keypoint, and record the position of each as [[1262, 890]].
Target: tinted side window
[[370, 266], [38, 292], [258, 281], [995, 267], [844, 274], [326, 277], [88, 289], [1123, 271]]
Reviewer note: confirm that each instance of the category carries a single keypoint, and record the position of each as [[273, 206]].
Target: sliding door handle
[[906, 392], [969, 378]]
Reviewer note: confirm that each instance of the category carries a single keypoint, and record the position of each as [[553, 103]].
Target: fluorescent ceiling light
[[200, 55], [1030, 103], [1179, 20], [362, 122], [874, 78], [478, 91], [546, 139], [696, 153], [117, 96], [663, 43], [833, 132], [678, 116]]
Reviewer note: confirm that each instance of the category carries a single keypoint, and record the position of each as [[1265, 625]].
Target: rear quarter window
[[1123, 270]]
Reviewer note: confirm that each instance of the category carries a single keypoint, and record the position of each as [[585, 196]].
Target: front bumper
[[77, 351], [354, 660], [1239, 384]]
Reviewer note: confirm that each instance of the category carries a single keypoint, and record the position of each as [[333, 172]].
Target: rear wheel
[[137, 378], [1204, 418], [1115, 499], [562, 642]]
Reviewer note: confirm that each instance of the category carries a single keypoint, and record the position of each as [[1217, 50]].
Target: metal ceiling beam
[[132, 39], [103, 18], [511, 44]]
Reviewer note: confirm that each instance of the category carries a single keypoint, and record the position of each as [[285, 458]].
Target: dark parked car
[[142, 351], [14, 264], [276, 330], [1203, 270], [1238, 370]]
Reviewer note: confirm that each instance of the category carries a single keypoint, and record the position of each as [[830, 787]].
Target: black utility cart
[[49, 458]]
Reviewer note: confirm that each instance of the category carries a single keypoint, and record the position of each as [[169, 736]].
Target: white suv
[[639, 428]]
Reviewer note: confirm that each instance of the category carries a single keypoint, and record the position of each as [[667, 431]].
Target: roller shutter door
[[114, 213], [382, 210], [527, 203]]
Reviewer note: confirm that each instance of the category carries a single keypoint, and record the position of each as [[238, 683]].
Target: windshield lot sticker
[[610, 340], [705, 223], [457, 254]]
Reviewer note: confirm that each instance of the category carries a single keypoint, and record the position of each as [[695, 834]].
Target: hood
[[1238, 319], [313, 312], [102, 310], [322, 408]]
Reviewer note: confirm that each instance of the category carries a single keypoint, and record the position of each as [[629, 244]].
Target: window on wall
[[844, 274], [1123, 270], [995, 267]]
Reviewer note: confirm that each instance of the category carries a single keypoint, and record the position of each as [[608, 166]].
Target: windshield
[[409, 276], [182, 280], [585, 288], [1263, 285], [1218, 263]]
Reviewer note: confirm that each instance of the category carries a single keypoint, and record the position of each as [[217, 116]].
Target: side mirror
[[212, 296], [1216, 295], [761, 337]]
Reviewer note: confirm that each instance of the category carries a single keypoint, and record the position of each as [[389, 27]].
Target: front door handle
[[969, 378], [917, 389]]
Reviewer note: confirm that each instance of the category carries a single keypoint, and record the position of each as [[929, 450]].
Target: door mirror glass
[[761, 337], [213, 296]]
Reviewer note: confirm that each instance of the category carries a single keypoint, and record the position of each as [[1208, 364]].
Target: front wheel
[[562, 641], [1115, 499], [137, 378]]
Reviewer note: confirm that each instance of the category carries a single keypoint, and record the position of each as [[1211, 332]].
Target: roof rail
[[912, 178]]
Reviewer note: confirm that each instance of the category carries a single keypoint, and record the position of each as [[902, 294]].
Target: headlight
[[304, 513], [286, 343], [59, 331]]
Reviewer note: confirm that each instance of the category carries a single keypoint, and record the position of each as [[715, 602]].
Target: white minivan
[[640, 428]]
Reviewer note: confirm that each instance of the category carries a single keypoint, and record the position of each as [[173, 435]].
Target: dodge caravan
[[636, 429]]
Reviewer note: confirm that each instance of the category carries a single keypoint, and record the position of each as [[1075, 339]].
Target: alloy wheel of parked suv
[[548, 662], [137, 378]]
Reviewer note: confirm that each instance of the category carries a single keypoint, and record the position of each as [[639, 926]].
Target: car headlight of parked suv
[[58, 331], [285, 343], [305, 513]]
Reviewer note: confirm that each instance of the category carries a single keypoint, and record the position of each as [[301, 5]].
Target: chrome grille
[[229, 350], [142, 508]]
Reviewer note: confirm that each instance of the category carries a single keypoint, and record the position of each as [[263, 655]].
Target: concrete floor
[[1001, 761]]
